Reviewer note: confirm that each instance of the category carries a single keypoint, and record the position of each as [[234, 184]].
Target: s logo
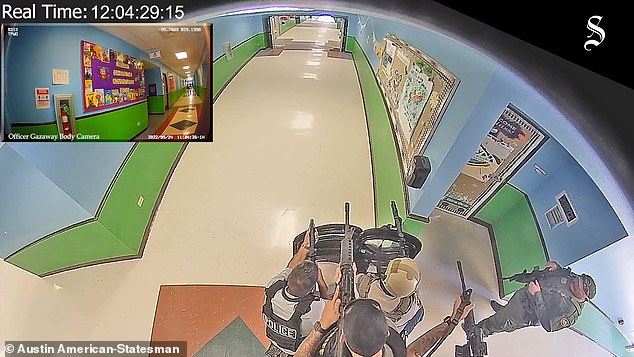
[[595, 30]]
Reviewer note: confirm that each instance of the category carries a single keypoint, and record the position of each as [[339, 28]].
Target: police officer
[[396, 292], [554, 302], [366, 332], [291, 305]]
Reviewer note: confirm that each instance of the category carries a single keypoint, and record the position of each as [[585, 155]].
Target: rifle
[[312, 255], [526, 277], [398, 223], [346, 284], [475, 346]]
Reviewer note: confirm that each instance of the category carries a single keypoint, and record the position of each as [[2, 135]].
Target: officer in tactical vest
[[397, 293], [554, 301], [291, 305]]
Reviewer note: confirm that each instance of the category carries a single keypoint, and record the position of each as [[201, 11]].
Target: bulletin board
[[110, 78], [417, 90]]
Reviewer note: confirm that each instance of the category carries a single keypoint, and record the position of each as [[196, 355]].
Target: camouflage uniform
[[554, 308]]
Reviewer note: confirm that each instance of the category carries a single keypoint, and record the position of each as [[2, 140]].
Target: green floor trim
[[116, 125], [120, 229], [224, 71], [388, 183], [516, 233]]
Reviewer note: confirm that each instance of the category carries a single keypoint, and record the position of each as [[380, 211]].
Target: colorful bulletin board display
[[110, 78], [417, 90], [172, 82], [511, 141]]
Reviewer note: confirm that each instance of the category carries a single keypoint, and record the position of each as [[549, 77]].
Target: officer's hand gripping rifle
[[475, 346], [346, 284]]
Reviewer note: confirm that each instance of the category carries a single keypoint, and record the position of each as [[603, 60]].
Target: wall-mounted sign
[[61, 76], [110, 78], [226, 47], [42, 98], [154, 54]]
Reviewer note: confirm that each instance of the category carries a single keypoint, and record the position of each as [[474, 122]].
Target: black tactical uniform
[[288, 319]]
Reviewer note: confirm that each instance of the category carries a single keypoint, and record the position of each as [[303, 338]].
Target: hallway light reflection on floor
[[302, 122], [310, 75]]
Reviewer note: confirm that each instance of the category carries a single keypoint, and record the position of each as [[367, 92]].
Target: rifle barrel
[[311, 235], [462, 282]]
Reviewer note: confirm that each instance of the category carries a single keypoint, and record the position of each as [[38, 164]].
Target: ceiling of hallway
[[149, 37]]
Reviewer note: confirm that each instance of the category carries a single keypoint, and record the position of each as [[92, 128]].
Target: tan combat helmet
[[401, 277]]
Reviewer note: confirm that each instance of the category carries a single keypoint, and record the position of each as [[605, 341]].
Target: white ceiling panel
[[147, 37]]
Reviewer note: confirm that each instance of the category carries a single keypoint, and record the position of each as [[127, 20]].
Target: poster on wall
[[417, 90], [511, 141], [172, 82], [110, 78], [42, 98]]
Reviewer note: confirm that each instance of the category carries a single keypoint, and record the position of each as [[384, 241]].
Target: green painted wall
[[118, 125], [516, 235], [156, 105], [388, 183], [200, 91], [175, 95], [287, 25], [224, 70], [144, 175], [118, 231], [86, 243]]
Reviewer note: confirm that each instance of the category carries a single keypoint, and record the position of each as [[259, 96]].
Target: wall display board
[[110, 78], [417, 90]]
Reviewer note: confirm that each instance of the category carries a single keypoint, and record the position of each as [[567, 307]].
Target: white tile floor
[[290, 143], [311, 32]]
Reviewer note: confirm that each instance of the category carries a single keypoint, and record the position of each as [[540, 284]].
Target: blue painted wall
[[81, 170], [153, 76], [233, 29], [31, 206], [32, 56], [569, 244]]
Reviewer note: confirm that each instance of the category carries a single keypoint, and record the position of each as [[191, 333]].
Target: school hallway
[[299, 150]]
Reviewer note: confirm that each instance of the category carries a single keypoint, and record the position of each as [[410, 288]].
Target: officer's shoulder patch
[[564, 322]]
